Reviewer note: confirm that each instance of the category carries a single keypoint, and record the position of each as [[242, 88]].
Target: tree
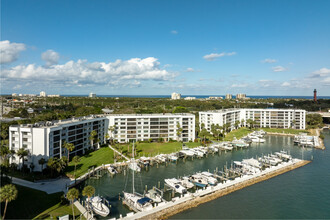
[[4, 152], [314, 120], [112, 130], [249, 122], [22, 153], [69, 147], [89, 192], [204, 133], [71, 195], [75, 160], [8, 193], [92, 137], [242, 122], [42, 161], [178, 131], [56, 164], [237, 124]]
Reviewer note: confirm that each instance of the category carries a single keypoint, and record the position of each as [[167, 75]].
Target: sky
[[153, 47]]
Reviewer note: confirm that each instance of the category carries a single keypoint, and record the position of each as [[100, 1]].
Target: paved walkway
[[119, 153], [49, 187]]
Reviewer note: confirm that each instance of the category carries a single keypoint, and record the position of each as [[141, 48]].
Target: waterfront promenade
[[179, 204]]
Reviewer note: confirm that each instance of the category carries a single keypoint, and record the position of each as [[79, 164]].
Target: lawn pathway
[[118, 153]]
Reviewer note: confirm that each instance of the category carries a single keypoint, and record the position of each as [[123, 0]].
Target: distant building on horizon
[[175, 96], [189, 98], [229, 96], [241, 96], [92, 95], [43, 94]]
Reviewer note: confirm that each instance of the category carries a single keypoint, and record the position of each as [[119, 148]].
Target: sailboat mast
[[133, 168]]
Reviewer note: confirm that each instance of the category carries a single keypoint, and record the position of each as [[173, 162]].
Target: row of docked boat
[[139, 202], [305, 140]]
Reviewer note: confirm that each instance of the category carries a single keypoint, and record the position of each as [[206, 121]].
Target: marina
[[154, 176]]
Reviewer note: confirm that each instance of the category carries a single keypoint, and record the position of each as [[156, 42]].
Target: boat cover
[[144, 200]]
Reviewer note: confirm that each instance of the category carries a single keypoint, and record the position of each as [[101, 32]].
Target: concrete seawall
[[165, 213]]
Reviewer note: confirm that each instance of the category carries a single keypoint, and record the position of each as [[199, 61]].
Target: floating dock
[[178, 204]]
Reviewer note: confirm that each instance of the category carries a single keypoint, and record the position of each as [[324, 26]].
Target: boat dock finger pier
[[183, 202]]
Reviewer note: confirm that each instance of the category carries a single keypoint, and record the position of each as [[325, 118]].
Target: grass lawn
[[285, 131], [239, 133], [30, 203], [58, 210], [104, 155], [152, 149]]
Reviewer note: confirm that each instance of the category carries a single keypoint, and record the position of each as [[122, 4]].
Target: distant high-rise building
[[176, 95], [315, 95], [241, 96], [229, 96], [43, 94], [92, 95]]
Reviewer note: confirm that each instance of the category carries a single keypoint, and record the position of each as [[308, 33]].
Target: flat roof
[[154, 114]]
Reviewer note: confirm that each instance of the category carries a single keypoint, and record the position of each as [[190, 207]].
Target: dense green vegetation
[[314, 120]]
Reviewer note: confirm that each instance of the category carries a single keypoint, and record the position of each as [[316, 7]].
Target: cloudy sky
[[153, 47]]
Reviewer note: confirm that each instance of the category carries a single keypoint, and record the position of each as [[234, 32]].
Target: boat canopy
[[144, 200], [96, 199]]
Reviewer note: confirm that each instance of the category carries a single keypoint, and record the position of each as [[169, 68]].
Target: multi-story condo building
[[175, 96], [143, 127], [241, 96], [229, 96], [45, 140], [92, 95], [272, 118]]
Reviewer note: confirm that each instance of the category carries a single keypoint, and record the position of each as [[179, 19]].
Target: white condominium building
[[229, 96], [46, 139], [272, 118], [142, 127], [176, 95]]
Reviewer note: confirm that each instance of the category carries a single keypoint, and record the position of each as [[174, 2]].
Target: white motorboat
[[112, 170], [197, 152], [176, 185], [256, 139], [186, 183], [98, 206], [210, 179], [172, 157], [187, 152], [161, 158], [145, 161], [154, 195], [252, 162], [134, 166], [198, 180]]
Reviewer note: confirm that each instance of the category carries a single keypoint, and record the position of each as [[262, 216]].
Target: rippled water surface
[[301, 193]]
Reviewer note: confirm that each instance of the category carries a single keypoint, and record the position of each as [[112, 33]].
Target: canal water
[[301, 193]]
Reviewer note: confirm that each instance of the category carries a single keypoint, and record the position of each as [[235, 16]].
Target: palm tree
[[75, 160], [42, 161], [21, 153], [89, 192], [178, 130], [237, 123], [52, 165], [112, 129], [92, 137], [8, 193], [242, 122], [4, 152], [69, 147], [72, 194]]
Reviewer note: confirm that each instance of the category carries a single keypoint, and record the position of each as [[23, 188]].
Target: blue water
[[301, 193]]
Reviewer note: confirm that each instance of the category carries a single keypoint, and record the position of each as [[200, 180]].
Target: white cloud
[[242, 85], [285, 84], [268, 60], [189, 69], [213, 56], [51, 57], [174, 32], [279, 69], [321, 72], [82, 72], [9, 52]]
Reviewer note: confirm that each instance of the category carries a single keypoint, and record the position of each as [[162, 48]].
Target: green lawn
[[239, 133], [30, 203], [58, 210], [104, 155], [285, 131]]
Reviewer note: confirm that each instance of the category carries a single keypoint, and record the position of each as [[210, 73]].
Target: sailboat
[[137, 201]]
